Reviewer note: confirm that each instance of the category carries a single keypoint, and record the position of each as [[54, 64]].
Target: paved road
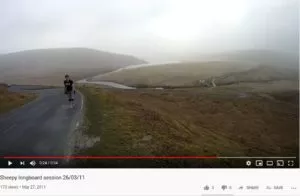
[[105, 84], [41, 128]]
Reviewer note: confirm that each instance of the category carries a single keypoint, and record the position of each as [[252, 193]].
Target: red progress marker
[[110, 157]]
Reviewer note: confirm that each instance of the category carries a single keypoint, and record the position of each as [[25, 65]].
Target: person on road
[[68, 83]]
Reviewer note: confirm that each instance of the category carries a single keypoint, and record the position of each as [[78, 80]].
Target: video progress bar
[[140, 157], [257, 157], [110, 157]]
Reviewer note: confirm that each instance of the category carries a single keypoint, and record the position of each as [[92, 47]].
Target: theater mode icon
[[270, 163]]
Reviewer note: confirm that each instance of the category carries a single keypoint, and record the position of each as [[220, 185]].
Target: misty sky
[[150, 29]]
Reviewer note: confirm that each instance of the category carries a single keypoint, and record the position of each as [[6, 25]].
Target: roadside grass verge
[[10, 100], [188, 122], [41, 87]]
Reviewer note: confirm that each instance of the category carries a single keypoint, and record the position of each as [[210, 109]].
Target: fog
[[151, 29]]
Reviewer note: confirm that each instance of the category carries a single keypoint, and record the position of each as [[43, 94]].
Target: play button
[[9, 163]]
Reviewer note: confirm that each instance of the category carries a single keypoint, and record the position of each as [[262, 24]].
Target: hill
[[224, 69], [177, 74], [48, 66], [265, 57], [260, 73], [233, 120]]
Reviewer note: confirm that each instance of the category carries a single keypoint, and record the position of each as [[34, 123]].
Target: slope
[[48, 66]]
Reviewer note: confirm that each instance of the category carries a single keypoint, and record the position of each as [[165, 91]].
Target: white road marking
[[81, 103], [77, 91], [77, 124]]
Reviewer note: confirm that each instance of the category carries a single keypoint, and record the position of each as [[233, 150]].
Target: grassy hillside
[[260, 73], [188, 74], [48, 66], [10, 100], [224, 121], [265, 57], [177, 74], [225, 68]]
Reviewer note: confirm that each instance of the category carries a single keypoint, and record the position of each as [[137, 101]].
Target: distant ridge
[[44, 65], [266, 57]]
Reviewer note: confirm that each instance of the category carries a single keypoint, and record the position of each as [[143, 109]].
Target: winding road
[[42, 127], [105, 84]]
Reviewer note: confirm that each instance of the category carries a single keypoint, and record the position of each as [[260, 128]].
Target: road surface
[[98, 77], [42, 127], [104, 83]]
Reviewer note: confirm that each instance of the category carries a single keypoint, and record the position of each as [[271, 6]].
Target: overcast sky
[[151, 29]]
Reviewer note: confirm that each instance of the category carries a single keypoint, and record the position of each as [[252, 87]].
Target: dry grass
[[51, 78], [220, 121], [178, 74], [10, 100], [187, 74]]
